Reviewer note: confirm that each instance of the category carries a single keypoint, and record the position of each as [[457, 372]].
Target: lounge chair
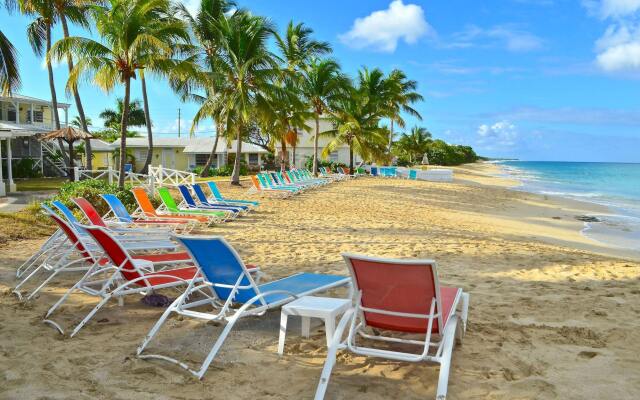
[[170, 205], [89, 255], [120, 214], [146, 209], [229, 281], [400, 297], [125, 275], [217, 196], [259, 187], [190, 203], [413, 175]]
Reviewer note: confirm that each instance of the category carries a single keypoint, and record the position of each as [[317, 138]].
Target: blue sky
[[532, 79]]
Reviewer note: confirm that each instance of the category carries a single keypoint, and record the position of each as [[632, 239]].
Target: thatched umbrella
[[69, 135]]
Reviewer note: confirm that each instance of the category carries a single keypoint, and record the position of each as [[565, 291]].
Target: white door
[[168, 158]]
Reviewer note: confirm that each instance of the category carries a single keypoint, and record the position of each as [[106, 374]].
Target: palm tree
[[250, 70], [40, 39], [322, 84], [113, 118], [130, 30], [356, 118], [77, 12], [77, 122], [199, 79], [399, 96], [297, 49], [415, 144], [9, 74]]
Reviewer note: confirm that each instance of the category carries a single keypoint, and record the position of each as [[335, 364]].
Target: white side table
[[308, 307]]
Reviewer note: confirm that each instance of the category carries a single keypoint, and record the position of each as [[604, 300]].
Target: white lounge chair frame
[[353, 319]]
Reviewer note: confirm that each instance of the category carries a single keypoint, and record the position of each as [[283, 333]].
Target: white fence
[[157, 177]]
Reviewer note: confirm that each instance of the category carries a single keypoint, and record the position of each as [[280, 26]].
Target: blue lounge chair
[[190, 203], [228, 281], [374, 171], [218, 196], [413, 174], [202, 198]]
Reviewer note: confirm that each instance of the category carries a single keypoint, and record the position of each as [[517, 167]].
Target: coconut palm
[[400, 94], [77, 122], [130, 30], [199, 79], [9, 74], [322, 83], [356, 117], [113, 117], [250, 70], [298, 48], [415, 143]]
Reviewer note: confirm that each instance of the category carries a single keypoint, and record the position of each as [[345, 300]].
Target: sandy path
[[553, 315]]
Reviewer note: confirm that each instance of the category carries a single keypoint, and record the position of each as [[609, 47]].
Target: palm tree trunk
[[390, 136], [76, 97], [71, 163], [350, 158], [293, 147], [207, 166], [54, 100], [283, 160], [315, 146], [235, 177], [147, 119], [123, 131]]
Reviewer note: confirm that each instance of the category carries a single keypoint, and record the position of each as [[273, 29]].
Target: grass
[[23, 225], [39, 184]]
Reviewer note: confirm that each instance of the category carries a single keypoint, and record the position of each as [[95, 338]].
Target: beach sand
[[553, 314]]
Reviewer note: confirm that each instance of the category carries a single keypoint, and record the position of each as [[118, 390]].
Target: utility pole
[[179, 123]]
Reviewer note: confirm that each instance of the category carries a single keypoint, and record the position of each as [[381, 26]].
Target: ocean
[[614, 185]]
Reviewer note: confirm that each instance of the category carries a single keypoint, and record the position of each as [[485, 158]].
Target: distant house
[[21, 119], [304, 149], [185, 154]]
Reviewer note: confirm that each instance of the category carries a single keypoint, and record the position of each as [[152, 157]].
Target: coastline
[[546, 206], [552, 314]]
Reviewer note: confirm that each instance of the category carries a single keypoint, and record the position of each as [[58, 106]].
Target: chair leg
[[331, 355], [445, 358], [283, 332], [159, 324], [91, 314]]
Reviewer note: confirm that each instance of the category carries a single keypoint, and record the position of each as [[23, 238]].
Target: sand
[[553, 315]]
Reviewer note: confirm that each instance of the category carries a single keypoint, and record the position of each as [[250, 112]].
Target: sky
[[529, 79]]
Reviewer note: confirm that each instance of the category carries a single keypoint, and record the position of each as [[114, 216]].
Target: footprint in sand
[[588, 354]]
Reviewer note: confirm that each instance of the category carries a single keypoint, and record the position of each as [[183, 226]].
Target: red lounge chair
[[401, 297], [128, 275]]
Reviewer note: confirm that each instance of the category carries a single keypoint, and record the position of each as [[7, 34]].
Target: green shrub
[[24, 168], [91, 189], [322, 163], [225, 170]]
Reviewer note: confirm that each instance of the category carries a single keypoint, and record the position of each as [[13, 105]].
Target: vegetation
[[412, 147], [91, 189], [9, 74], [255, 83], [40, 184]]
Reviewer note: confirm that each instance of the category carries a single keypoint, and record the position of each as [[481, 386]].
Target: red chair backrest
[[395, 285], [71, 235], [90, 211], [115, 253]]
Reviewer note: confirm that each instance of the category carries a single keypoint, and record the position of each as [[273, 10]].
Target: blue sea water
[[615, 185]]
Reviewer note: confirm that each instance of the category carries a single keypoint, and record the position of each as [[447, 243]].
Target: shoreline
[[580, 207]]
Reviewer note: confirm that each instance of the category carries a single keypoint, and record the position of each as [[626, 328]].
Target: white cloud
[[511, 37], [612, 8], [619, 48], [500, 134], [381, 30]]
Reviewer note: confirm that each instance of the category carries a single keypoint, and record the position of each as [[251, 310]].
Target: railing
[[112, 176], [161, 176]]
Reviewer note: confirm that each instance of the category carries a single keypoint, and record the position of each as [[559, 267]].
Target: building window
[[333, 157], [253, 159], [11, 114], [201, 159], [38, 116]]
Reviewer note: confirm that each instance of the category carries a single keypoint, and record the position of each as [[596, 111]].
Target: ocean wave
[[573, 194]]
